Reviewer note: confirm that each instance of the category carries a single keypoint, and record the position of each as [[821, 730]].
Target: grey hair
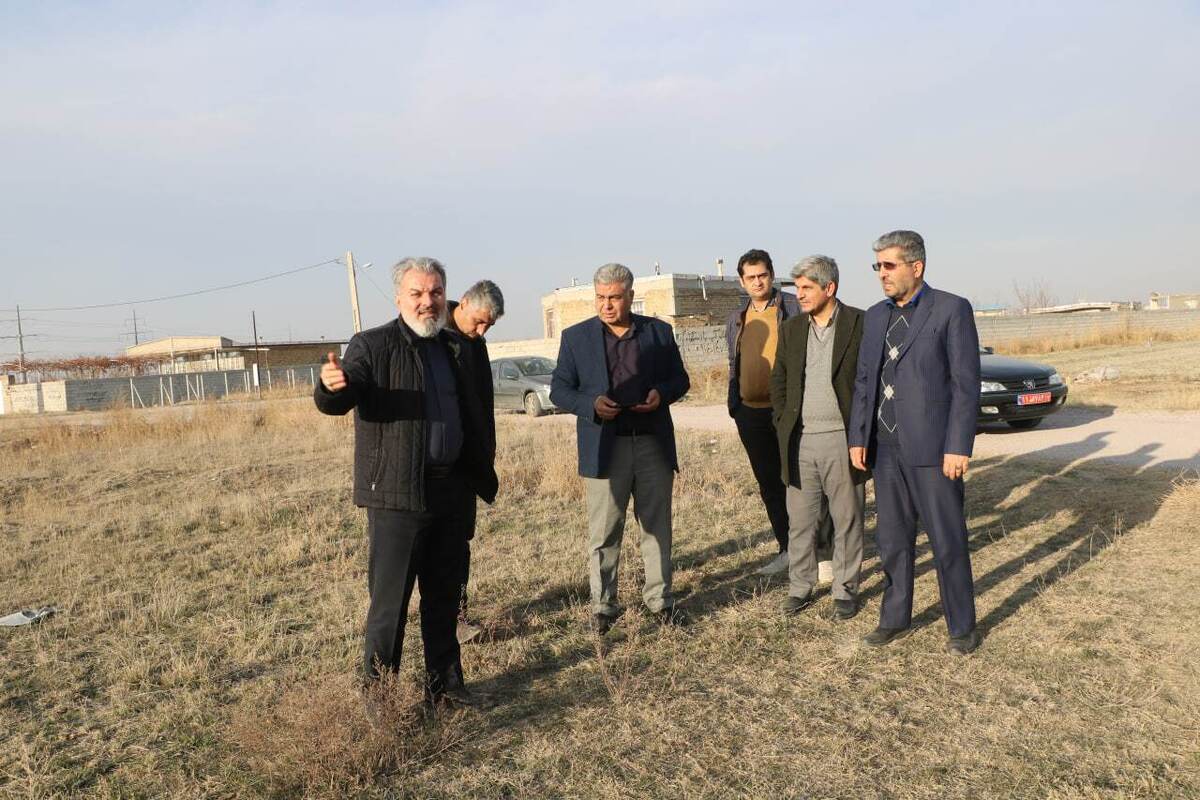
[[614, 273], [429, 266], [821, 270], [486, 295], [910, 243]]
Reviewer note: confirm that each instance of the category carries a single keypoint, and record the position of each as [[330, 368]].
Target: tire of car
[[533, 406], [1025, 424]]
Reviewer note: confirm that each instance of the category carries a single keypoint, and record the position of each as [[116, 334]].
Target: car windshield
[[534, 366]]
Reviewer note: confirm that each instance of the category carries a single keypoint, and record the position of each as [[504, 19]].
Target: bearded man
[[421, 457]]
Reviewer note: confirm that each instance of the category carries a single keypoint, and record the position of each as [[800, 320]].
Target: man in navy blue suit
[[618, 372], [916, 398]]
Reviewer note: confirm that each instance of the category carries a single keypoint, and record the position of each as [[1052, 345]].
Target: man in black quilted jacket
[[420, 459]]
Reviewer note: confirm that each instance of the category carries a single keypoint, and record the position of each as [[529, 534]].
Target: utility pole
[[254, 333], [21, 345], [136, 341], [353, 291], [257, 367]]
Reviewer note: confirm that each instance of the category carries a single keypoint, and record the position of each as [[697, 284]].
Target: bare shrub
[[327, 738], [1035, 294], [538, 460]]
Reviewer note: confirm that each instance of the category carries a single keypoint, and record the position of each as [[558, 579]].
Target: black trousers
[[904, 493], [758, 436], [425, 548]]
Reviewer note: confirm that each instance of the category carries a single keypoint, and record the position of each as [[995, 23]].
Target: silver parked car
[[523, 383]]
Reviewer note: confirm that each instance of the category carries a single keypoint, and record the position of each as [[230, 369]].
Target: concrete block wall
[[547, 348], [54, 396], [1036, 326], [702, 346], [25, 398]]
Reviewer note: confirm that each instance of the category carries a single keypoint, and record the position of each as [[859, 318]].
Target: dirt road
[[1169, 440]]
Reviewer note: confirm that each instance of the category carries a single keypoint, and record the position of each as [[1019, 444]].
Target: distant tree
[[1034, 294]]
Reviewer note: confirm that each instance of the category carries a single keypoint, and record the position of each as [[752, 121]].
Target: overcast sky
[[156, 148]]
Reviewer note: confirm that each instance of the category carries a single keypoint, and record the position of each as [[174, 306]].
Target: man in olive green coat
[[812, 386]]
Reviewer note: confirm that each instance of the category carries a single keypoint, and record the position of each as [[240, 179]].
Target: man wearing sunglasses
[[916, 397]]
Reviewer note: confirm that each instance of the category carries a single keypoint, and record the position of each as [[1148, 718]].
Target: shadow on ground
[[1086, 505], [1067, 417]]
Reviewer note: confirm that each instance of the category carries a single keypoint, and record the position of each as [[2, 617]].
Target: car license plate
[[1033, 399]]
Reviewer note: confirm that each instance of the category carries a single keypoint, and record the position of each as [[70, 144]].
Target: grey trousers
[[640, 468], [824, 472]]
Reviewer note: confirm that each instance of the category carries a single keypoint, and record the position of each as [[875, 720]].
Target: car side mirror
[[989, 350]]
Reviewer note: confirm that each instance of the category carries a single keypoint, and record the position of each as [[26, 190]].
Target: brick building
[[188, 354]]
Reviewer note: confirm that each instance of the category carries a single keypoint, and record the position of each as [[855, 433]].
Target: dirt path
[[1163, 439]]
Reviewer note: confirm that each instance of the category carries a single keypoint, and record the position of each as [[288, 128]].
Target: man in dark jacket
[[752, 334], [420, 459], [481, 307], [916, 399], [812, 391], [619, 372]]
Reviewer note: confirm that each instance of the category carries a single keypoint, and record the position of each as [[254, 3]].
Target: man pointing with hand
[[332, 376], [420, 459]]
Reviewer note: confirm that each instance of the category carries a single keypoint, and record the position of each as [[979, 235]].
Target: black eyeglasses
[[887, 265]]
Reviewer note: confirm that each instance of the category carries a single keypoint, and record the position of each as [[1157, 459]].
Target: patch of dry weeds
[[211, 575]]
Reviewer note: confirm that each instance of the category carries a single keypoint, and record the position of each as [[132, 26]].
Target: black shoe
[[845, 609], [446, 690], [962, 645], [881, 635], [672, 617], [794, 605], [601, 624]]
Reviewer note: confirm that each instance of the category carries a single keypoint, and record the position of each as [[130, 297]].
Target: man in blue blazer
[[619, 372], [916, 399]]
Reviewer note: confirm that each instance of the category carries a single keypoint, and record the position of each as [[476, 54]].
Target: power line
[[189, 294], [378, 288], [72, 323]]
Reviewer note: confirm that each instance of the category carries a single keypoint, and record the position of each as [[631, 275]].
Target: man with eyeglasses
[[916, 397]]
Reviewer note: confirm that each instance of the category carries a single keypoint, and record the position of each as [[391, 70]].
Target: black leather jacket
[[385, 387]]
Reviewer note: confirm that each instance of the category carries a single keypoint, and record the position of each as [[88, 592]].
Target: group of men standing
[[827, 396], [824, 396]]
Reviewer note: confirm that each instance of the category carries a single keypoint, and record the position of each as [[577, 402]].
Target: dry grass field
[[210, 575], [1154, 375], [1159, 372]]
